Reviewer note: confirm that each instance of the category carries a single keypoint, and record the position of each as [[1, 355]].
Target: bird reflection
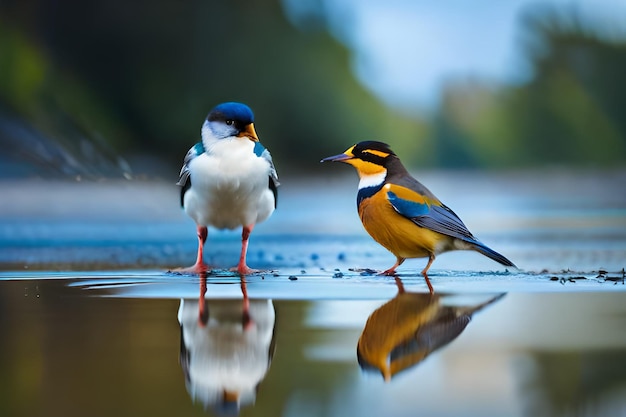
[[405, 330], [226, 348]]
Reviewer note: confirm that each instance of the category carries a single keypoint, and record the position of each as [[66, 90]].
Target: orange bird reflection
[[409, 327]]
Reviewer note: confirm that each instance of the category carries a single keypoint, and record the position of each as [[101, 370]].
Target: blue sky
[[404, 50]]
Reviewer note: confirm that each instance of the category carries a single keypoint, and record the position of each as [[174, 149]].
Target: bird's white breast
[[229, 185]]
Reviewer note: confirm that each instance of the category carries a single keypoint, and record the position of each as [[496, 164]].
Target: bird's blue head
[[231, 119], [231, 110]]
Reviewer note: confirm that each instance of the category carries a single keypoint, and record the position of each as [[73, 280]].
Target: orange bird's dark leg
[[392, 270]]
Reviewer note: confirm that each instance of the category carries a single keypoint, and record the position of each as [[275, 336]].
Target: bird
[[228, 180], [401, 214]]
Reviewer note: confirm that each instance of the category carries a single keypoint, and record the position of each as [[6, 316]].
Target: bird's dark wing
[[427, 212], [443, 220], [183, 179], [431, 214], [262, 152]]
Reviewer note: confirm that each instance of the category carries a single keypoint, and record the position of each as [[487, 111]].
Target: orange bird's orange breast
[[395, 232]]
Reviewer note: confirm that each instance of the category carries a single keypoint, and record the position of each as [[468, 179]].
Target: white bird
[[228, 179]]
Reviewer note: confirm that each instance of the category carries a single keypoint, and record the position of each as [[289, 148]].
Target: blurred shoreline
[[545, 219]]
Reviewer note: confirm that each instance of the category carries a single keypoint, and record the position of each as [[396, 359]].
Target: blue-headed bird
[[403, 215], [228, 179]]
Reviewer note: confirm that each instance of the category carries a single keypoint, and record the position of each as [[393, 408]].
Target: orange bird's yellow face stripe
[[377, 153], [364, 168]]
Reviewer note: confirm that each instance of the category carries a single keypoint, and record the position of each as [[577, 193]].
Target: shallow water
[[104, 345], [92, 323]]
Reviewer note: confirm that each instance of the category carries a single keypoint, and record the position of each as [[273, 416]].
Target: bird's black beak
[[342, 157]]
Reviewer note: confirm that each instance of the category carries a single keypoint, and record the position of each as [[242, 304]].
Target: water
[[92, 323], [103, 346]]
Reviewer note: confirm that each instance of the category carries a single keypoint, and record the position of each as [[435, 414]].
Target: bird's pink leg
[[431, 258], [392, 270], [199, 267], [242, 268], [202, 235]]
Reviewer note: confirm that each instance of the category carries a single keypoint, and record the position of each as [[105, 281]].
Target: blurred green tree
[[572, 111], [143, 75], [101, 79]]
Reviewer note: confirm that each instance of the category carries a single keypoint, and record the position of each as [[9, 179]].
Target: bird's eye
[[230, 122]]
